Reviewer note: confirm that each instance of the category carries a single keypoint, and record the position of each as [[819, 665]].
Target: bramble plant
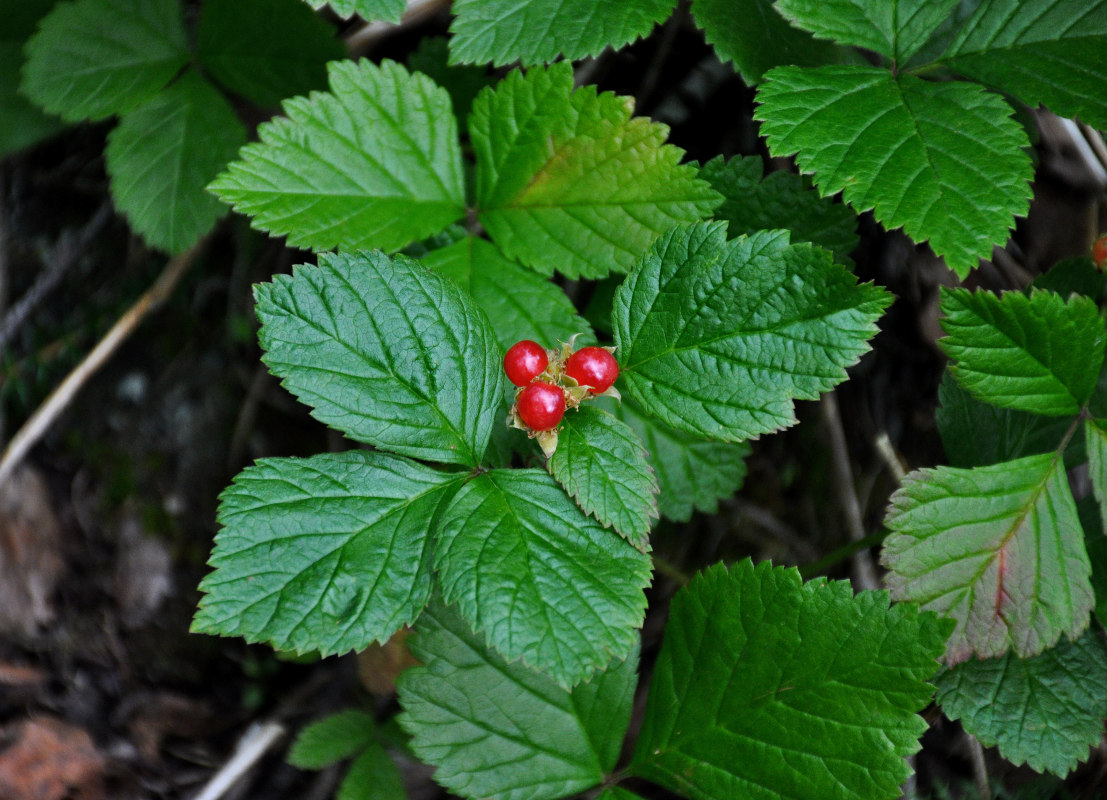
[[522, 561]]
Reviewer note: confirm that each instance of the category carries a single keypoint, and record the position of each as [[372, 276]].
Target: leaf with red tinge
[[998, 549]]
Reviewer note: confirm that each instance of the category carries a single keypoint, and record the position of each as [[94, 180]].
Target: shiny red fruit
[[1099, 252], [541, 405], [525, 361], [594, 367]]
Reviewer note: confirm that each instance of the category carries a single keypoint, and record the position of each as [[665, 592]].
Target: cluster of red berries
[[550, 381]]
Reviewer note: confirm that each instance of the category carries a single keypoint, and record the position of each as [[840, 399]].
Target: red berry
[[541, 405], [594, 367], [1099, 252], [525, 361]]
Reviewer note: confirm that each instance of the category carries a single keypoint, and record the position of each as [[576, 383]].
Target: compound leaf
[[1034, 353], [781, 200], [325, 554], [997, 549], [767, 688], [538, 31], [567, 180], [497, 729], [542, 581], [1041, 51], [718, 338], [385, 351], [266, 63], [519, 303], [755, 37], [373, 10], [895, 29], [944, 161], [94, 58], [1045, 711], [375, 162], [331, 739], [692, 474], [601, 462], [162, 155]]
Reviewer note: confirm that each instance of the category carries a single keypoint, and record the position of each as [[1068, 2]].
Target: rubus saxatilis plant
[[524, 576]]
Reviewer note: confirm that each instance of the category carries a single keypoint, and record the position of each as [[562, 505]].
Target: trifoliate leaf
[[1040, 51], [462, 82], [519, 303], [162, 155], [753, 35], [998, 549], [539, 31], [387, 352], [372, 10], [372, 776], [779, 201], [1095, 438], [542, 581], [718, 338], [767, 688], [266, 63], [1045, 711], [976, 434], [567, 180], [327, 553], [24, 124], [601, 462], [1038, 353], [892, 28], [94, 58], [332, 739], [375, 162], [887, 143], [693, 474], [499, 730]]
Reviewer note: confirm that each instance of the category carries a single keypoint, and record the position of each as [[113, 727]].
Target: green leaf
[[495, 729], [267, 62], [693, 474], [617, 793], [976, 434], [888, 144], [542, 581], [23, 123], [769, 688], [1045, 711], [994, 548], [373, 163], [779, 201], [1038, 353], [372, 776], [717, 338], [567, 180], [1041, 51], [1096, 543], [94, 58], [895, 29], [519, 303], [162, 155], [1095, 438], [385, 351], [601, 462], [373, 10], [462, 82], [753, 35], [331, 739], [1072, 276], [539, 31], [327, 553]]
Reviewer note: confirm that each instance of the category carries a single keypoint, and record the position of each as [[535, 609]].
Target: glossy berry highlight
[[525, 361], [593, 367], [541, 405]]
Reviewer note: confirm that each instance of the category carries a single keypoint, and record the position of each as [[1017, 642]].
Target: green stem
[[841, 554], [669, 570]]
